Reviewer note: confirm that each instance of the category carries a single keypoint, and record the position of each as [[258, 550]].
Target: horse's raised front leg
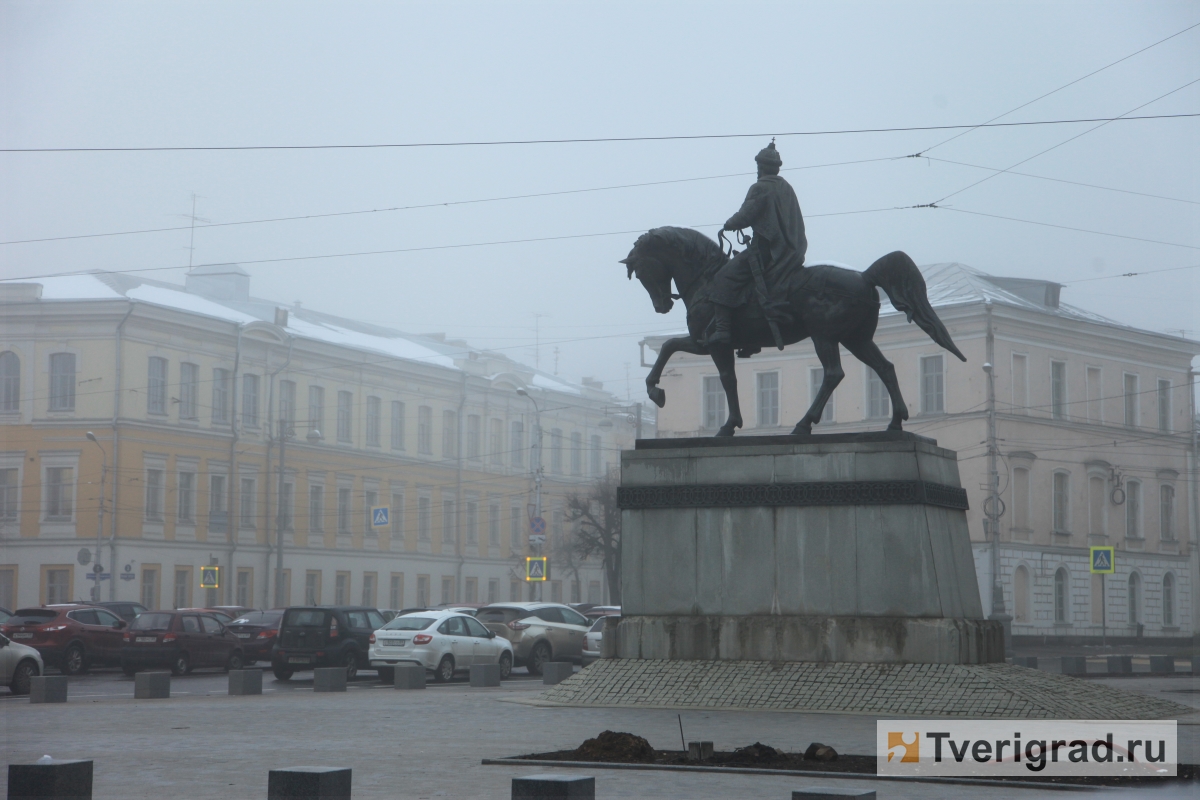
[[670, 347], [723, 358], [868, 353], [831, 361]]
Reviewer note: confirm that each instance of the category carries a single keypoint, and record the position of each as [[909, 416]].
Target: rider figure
[[772, 210]]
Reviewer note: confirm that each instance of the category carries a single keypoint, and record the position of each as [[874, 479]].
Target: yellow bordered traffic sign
[[210, 577], [537, 568], [1103, 560]]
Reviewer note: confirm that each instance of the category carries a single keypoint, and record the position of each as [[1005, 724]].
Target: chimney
[[281, 317]]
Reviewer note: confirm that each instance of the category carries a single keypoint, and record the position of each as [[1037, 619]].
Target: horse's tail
[[897, 275]]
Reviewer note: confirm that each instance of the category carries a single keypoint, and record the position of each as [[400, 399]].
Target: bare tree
[[598, 529]]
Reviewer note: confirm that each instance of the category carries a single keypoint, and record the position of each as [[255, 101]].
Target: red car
[[257, 630], [73, 636], [180, 640]]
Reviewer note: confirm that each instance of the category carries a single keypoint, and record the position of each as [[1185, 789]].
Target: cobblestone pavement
[[424, 744], [987, 690]]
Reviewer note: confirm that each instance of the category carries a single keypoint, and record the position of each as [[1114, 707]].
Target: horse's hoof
[[726, 430], [657, 395], [895, 426], [802, 430]]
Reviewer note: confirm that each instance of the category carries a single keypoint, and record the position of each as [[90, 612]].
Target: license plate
[[22, 636], [147, 639], [243, 636], [395, 642], [299, 660]]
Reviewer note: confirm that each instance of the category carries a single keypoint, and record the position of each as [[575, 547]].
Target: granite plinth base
[[874, 640]]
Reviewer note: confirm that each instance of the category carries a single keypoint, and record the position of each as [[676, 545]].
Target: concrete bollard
[[1029, 662], [699, 751], [555, 672], [553, 787], [485, 675], [329, 679], [48, 689], [1074, 665], [245, 681], [309, 783], [1195, 665], [58, 779], [1121, 665], [825, 793], [151, 685], [609, 641], [1162, 665], [409, 676]]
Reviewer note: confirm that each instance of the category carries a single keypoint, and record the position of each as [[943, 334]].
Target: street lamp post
[[537, 471], [99, 516]]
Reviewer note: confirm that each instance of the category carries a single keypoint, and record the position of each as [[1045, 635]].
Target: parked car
[[18, 663], [233, 612], [539, 632], [257, 631], [324, 636], [72, 636], [222, 617], [593, 638], [444, 642], [123, 609], [180, 640], [595, 612], [4, 615]]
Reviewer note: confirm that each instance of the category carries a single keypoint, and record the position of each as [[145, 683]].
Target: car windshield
[[258, 618], [304, 618], [32, 616], [409, 624], [502, 615], [152, 621]]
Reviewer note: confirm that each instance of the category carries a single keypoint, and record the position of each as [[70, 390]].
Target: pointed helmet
[[769, 156]]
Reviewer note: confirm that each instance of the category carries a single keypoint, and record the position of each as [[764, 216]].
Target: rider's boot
[[723, 326]]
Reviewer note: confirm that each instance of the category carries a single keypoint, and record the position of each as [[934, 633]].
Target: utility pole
[[993, 506], [100, 521]]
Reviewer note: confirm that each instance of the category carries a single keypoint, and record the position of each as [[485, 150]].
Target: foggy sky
[[130, 74]]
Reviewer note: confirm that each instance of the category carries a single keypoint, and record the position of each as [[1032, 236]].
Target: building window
[[10, 382], [287, 495], [425, 430], [424, 519], [879, 402], [933, 385], [448, 522], [371, 499], [316, 409], [1021, 594], [423, 591], [1164, 406], [374, 421], [189, 391], [576, 453], [449, 434], [514, 591], [368, 589], [1131, 400], [341, 589], [1060, 595], [594, 456], [1020, 498], [474, 436], [514, 529], [1133, 510], [397, 425], [471, 590], [556, 451], [344, 417], [62, 382], [149, 596], [472, 523], [714, 403], [396, 516], [246, 504], [496, 445], [154, 494], [316, 508], [222, 385], [1135, 598], [250, 385], [1096, 498], [396, 593], [243, 592], [312, 588], [493, 595], [1020, 383], [1093, 395], [493, 525], [8, 495], [216, 503], [287, 404], [1168, 600], [183, 588], [156, 389], [60, 493], [186, 507], [447, 589], [517, 445], [1058, 389], [58, 586], [816, 376], [1166, 512], [343, 509], [768, 399], [1062, 502]]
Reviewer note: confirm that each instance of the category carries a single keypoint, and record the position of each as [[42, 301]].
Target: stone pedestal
[[409, 676], [329, 679], [245, 681], [151, 686], [54, 780], [48, 689], [485, 675], [309, 783], [836, 548]]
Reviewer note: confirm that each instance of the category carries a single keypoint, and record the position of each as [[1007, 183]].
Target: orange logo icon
[[909, 752]]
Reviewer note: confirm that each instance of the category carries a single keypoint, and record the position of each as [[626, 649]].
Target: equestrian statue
[[764, 295]]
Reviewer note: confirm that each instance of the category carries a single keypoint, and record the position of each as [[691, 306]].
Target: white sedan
[[18, 663], [444, 642]]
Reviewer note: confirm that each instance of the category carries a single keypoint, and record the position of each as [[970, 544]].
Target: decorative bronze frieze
[[815, 493]]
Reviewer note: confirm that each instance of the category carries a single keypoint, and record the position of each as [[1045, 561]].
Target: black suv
[[324, 636]]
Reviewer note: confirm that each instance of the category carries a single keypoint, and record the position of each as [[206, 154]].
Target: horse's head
[[651, 271]]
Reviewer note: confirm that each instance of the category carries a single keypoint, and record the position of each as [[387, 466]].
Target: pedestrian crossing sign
[[1104, 560], [379, 516], [210, 577], [537, 568]]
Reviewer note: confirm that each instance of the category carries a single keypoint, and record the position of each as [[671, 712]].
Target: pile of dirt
[[757, 754], [618, 747]]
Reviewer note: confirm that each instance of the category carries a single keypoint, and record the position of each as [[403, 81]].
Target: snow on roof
[[184, 301], [397, 346], [73, 287]]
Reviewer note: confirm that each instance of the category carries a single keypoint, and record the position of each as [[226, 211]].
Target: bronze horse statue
[[832, 305]]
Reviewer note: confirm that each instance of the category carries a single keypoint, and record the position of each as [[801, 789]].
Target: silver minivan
[[539, 632]]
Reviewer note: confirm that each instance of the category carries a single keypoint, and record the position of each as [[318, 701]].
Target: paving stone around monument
[[938, 690]]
